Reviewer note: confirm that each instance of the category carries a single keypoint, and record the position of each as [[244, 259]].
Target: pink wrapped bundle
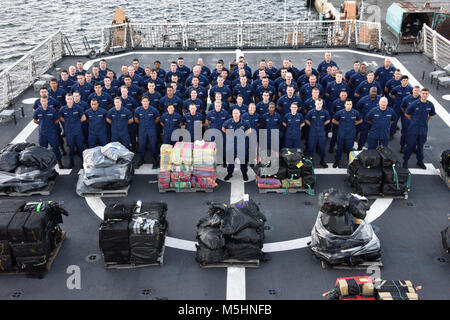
[[204, 182], [163, 180], [268, 183], [163, 185], [182, 153], [180, 176]]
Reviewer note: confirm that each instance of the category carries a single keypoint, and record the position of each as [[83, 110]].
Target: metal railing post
[[434, 43], [424, 38], [240, 40], [125, 33], [295, 34], [31, 68], [379, 35], [185, 42]]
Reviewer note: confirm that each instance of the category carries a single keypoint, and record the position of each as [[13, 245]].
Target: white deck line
[[235, 283], [25, 133]]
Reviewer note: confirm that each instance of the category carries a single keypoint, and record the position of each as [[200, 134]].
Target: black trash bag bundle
[[36, 227], [244, 251], [369, 158], [94, 158], [309, 182], [211, 237], [33, 264], [338, 224], [241, 215], [266, 171], [291, 156], [333, 202], [37, 156], [396, 174], [11, 206], [30, 186], [31, 249], [113, 235], [118, 210], [141, 252], [154, 210], [54, 210], [9, 161], [369, 176], [294, 173], [17, 147], [249, 235], [366, 189], [445, 235], [358, 206], [445, 161], [121, 257], [394, 189], [359, 246], [5, 219], [353, 169], [307, 168], [388, 157], [16, 232], [205, 255]]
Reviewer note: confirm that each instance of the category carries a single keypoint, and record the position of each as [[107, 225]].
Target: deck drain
[[92, 257], [427, 147], [16, 294], [272, 292], [410, 204], [267, 228], [146, 292], [440, 260], [308, 203]]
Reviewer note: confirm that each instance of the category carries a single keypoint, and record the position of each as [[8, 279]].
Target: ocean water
[[25, 23]]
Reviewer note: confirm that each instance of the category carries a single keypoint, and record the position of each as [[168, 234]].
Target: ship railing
[[295, 34], [18, 77], [435, 46]]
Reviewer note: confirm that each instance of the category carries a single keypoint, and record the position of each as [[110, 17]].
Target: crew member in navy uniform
[[170, 98], [80, 68], [202, 80], [147, 116], [345, 121], [364, 87], [73, 74], [236, 123], [364, 105], [293, 121], [223, 89], [245, 89], [271, 121], [173, 70], [317, 119], [263, 106], [139, 70], [418, 113], [96, 76], [161, 73], [357, 78], [96, 118], [336, 106], [128, 102], [170, 121], [308, 65], [322, 68], [65, 83], [334, 89], [57, 93], [405, 124], [183, 69], [385, 73], [350, 73], [306, 90], [283, 85], [153, 96], [47, 119], [215, 120], [105, 101], [397, 94], [72, 116], [103, 69], [202, 93], [194, 100], [284, 103], [191, 118], [85, 89], [120, 118], [380, 119], [240, 105]]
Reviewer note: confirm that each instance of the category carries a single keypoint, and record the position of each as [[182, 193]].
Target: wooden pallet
[[159, 263], [445, 178], [123, 192], [185, 190], [232, 263], [362, 266], [51, 259], [41, 192], [283, 191]]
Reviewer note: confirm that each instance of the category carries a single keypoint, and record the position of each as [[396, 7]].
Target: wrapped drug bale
[[37, 156], [182, 153], [9, 161], [291, 156], [396, 290], [268, 183], [166, 157], [353, 288], [204, 165], [387, 157], [369, 158]]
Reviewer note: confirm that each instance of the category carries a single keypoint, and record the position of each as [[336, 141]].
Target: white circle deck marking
[[29, 101], [446, 97]]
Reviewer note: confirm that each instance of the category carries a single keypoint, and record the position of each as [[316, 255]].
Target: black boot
[[227, 177], [405, 164], [336, 164], [421, 165], [60, 165], [245, 176], [360, 148], [323, 163], [156, 163]]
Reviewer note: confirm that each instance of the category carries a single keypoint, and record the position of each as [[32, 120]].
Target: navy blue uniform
[[202, 81], [283, 86], [405, 121], [154, 98], [84, 90], [59, 95], [322, 68], [399, 92], [201, 93], [317, 136], [135, 91], [216, 121], [66, 85], [293, 134], [336, 106], [119, 125], [247, 92], [242, 109], [334, 89], [147, 130], [160, 86], [190, 121], [418, 127], [72, 127], [48, 133], [168, 77], [356, 79], [271, 122], [306, 91], [346, 131], [364, 88], [171, 122], [262, 107], [364, 105], [285, 103], [384, 75], [240, 125], [97, 127], [184, 71], [105, 101], [224, 90], [260, 90], [175, 100], [199, 103], [51, 103], [381, 123]]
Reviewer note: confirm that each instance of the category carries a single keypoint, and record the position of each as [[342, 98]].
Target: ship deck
[[408, 229]]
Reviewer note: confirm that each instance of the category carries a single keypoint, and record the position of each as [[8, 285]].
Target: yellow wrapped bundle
[[291, 183], [204, 153], [166, 157]]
